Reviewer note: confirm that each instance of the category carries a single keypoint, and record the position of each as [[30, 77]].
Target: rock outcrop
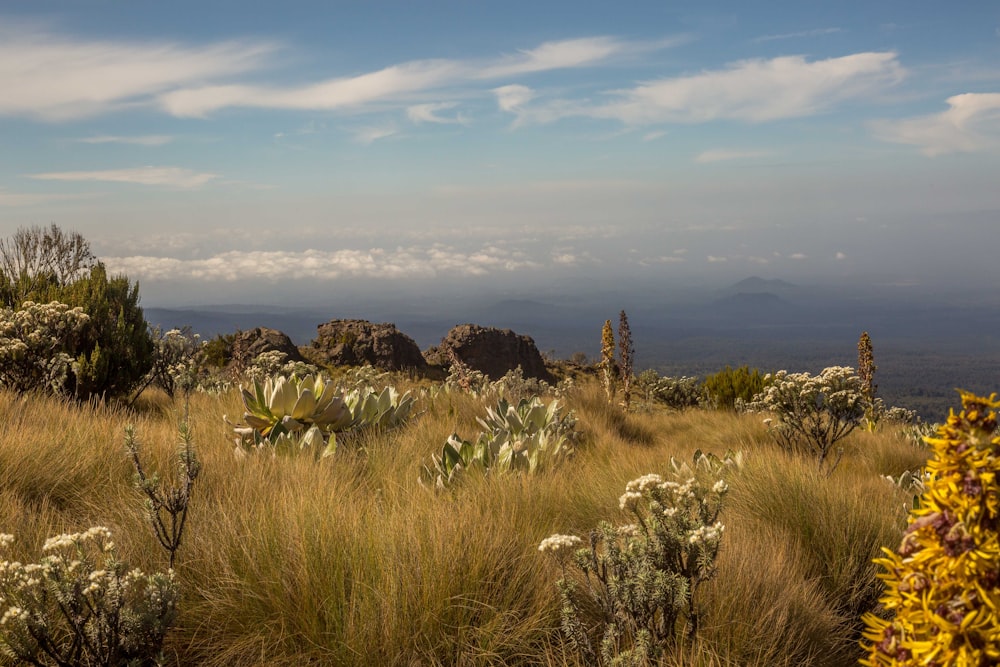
[[359, 342], [249, 344], [491, 351]]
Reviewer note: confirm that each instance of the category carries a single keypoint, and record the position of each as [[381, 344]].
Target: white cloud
[[54, 77], [712, 259], [750, 90], [554, 55], [143, 140], [428, 113], [168, 176], [720, 155], [798, 255], [390, 83], [374, 263], [653, 136], [970, 125], [840, 256], [367, 135], [817, 32], [513, 97]]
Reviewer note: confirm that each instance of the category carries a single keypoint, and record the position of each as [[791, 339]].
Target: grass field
[[351, 561]]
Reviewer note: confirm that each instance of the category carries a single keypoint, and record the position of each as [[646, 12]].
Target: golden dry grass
[[350, 561]]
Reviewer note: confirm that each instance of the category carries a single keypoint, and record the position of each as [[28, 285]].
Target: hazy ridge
[[926, 346]]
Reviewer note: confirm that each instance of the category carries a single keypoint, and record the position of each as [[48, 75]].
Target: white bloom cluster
[[706, 534], [720, 487], [629, 500], [629, 530], [559, 543], [98, 534], [14, 613]]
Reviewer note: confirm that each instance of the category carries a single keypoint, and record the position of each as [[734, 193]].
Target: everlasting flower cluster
[[943, 583], [644, 576], [812, 412], [33, 344], [558, 544], [80, 605]]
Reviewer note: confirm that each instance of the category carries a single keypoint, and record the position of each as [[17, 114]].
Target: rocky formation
[[359, 342], [248, 345], [491, 351]]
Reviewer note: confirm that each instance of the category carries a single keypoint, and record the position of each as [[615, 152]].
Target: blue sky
[[246, 150]]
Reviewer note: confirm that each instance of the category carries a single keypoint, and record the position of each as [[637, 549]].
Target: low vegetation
[[328, 526]]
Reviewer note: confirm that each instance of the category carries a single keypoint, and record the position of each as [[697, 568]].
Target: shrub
[[175, 360], [34, 342], [34, 259], [676, 393], [642, 577], [115, 351], [813, 412], [80, 605], [941, 584], [163, 502], [731, 387]]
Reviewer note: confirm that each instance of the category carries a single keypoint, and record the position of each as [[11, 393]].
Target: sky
[[251, 152]]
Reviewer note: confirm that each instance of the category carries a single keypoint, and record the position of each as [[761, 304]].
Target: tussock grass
[[350, 561]]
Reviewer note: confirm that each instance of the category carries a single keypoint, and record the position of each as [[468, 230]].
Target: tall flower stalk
[[626, 353], [608, 367], [866, 371]]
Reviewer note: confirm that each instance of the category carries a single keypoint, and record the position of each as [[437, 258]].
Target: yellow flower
[[943, 583]]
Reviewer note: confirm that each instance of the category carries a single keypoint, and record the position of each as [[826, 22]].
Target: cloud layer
[[970, 125], [166, 176], [754, 91]]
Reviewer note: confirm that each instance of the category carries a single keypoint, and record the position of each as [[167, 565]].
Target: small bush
[[675, 393], [34, 345], [813, 412], [643, 577], [80, 605], [731, 386]]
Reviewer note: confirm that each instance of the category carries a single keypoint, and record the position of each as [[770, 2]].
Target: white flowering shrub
[[643, 577], [33, 345], [175, 360], [812, 412], [270, 364], [80, 605], [675, 393]]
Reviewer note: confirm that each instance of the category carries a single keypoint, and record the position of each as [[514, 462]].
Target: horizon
[[220, 155]]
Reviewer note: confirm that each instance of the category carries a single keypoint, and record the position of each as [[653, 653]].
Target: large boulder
[[250, 344], [491, 351], [360, 342]]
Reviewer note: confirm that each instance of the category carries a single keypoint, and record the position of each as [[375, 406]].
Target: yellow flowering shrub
[[943, 583]]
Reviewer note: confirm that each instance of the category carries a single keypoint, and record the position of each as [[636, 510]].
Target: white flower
[[720, 487], [558, 543], [629, 499]]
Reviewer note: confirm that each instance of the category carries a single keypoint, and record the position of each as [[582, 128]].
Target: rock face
[[359, 342], [492, 351], [249, 344]]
